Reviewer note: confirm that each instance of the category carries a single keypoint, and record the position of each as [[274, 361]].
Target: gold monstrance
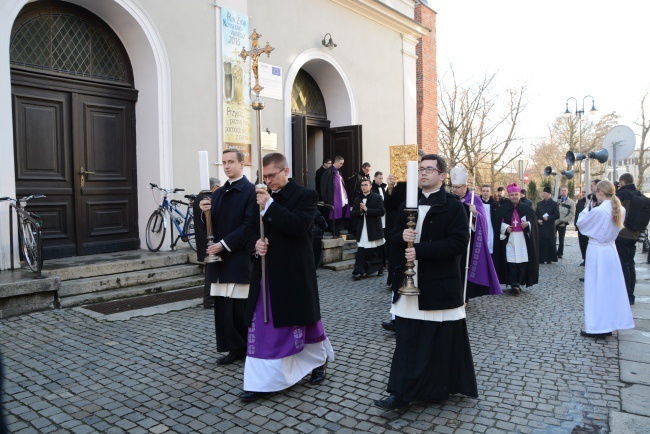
[[258, 105]]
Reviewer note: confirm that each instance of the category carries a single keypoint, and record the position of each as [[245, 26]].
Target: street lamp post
[[579, 114]]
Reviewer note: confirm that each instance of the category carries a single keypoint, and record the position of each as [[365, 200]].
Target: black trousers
[[583, 240], [626, 250], [517, 273], [230, 324], [561, 232], [208, 300], [318, 250]]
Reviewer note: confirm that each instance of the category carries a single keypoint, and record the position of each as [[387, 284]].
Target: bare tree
[[644, 123], [475, 130]]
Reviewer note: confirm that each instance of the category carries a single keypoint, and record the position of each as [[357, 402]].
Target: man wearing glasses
[[293, 342], [432, 357]]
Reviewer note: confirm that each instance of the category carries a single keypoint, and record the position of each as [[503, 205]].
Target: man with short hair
[[567, 214], [515, 243], [353, 186], [368, 209], [333, 193], [524, 198], [232, 208], [432, 357], [627, 238], [502, 197], [547, 212], [490, 205], [293, 342], [327, 163]]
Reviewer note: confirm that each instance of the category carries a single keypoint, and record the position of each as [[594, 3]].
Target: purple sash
[[481, 268], [268, 342], [338, 211]]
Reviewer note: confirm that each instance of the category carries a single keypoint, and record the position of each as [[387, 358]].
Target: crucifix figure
[[254, 53]]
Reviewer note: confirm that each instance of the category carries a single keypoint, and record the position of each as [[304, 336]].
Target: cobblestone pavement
[[69, 372]]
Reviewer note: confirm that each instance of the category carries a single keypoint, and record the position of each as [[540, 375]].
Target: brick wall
[[427, 82]]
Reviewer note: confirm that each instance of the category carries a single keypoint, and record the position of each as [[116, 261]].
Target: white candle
[[412, 184], [204, 171]]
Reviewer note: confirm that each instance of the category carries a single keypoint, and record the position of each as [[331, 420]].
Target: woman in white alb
[[607, 307]]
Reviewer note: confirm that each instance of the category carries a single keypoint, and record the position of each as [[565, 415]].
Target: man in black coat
[[368, 209], [353, 187], [293, 342], [432, 357], [232, 208], [582, 239], [327, 163], [516, 255], [332, 190], [627, 238], [200, 237], [547, 212], [490, 205], [502, 196]]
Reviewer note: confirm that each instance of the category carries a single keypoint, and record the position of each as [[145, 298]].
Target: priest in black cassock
[[432, 357], [547, 212], [515, 242], [368, 210]]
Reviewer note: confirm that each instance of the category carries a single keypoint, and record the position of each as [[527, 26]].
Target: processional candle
[[204, 170], [412, 184]]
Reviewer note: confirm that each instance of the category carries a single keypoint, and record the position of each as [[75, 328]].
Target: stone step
[[122, 280], [133, 291], [348, 254], [341, 265], [81, 267], [350, 244]]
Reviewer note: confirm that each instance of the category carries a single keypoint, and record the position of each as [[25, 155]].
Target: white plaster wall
[[369, 53]]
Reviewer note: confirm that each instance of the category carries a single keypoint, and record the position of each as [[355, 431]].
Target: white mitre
[[458, 176]]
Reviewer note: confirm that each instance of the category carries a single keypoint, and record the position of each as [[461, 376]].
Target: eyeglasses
[[429, 170], [272, 176]]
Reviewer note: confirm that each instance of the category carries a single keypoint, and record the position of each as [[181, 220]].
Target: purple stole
[[338, 211], [481, 268]]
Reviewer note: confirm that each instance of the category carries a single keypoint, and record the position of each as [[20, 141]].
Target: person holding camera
[[606, 307]]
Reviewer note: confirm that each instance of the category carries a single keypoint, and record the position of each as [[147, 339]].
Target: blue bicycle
[[157, 224]]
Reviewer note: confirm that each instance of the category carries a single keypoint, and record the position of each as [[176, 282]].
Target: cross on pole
[[258, 105]]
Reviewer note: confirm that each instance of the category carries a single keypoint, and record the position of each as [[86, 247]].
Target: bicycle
[[157, 224], [29, 232]]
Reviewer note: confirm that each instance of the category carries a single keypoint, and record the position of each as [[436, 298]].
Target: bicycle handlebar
[[166, 190], [24, 199]]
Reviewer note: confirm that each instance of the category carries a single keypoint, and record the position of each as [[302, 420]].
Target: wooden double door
[[308, 153], [75, 143]]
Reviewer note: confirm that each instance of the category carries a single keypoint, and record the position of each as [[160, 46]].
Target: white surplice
[[607, 307], [408, 306]]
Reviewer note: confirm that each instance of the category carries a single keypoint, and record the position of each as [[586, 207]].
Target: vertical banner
[[237, 111]]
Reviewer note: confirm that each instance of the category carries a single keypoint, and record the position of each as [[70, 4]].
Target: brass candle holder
[[409, 287], [210, 236]]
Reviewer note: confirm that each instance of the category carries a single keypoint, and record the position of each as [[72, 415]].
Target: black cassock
[[504, 215], [547, 234]]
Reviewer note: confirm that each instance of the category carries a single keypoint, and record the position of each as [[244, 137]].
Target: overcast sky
[[557, 48]]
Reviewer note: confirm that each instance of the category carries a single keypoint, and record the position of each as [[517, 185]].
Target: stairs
[[100, 278], [347, 258]]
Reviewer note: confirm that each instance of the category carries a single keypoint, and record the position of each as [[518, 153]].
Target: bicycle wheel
[[29, 246], [155, 230], [189, 230]]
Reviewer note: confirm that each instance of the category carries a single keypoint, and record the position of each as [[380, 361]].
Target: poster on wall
[[237, 112], [271, 80]]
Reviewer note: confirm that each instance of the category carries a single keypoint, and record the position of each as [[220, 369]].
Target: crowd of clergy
[[466, 243]]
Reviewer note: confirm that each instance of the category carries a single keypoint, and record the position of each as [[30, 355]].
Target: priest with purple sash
[[482, 278], [333, 193], [292, 342]]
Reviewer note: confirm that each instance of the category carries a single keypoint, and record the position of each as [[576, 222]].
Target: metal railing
[[24, 215]]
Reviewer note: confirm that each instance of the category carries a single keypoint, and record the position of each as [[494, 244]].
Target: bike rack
[[39, 238]]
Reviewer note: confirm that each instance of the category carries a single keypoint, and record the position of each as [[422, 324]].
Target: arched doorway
[[321, 116], [73, 102]]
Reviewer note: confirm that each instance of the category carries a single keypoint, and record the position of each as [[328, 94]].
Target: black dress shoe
[[582, 279], [380, 273], [594, 335], [582, 264], [356, 276], [231, 357], [252, 396], [389, 326], [559, 256], [318, 374], [392, 403], [515, 290]]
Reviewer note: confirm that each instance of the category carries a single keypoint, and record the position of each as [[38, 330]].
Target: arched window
[[306, 97], [64, 39]]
